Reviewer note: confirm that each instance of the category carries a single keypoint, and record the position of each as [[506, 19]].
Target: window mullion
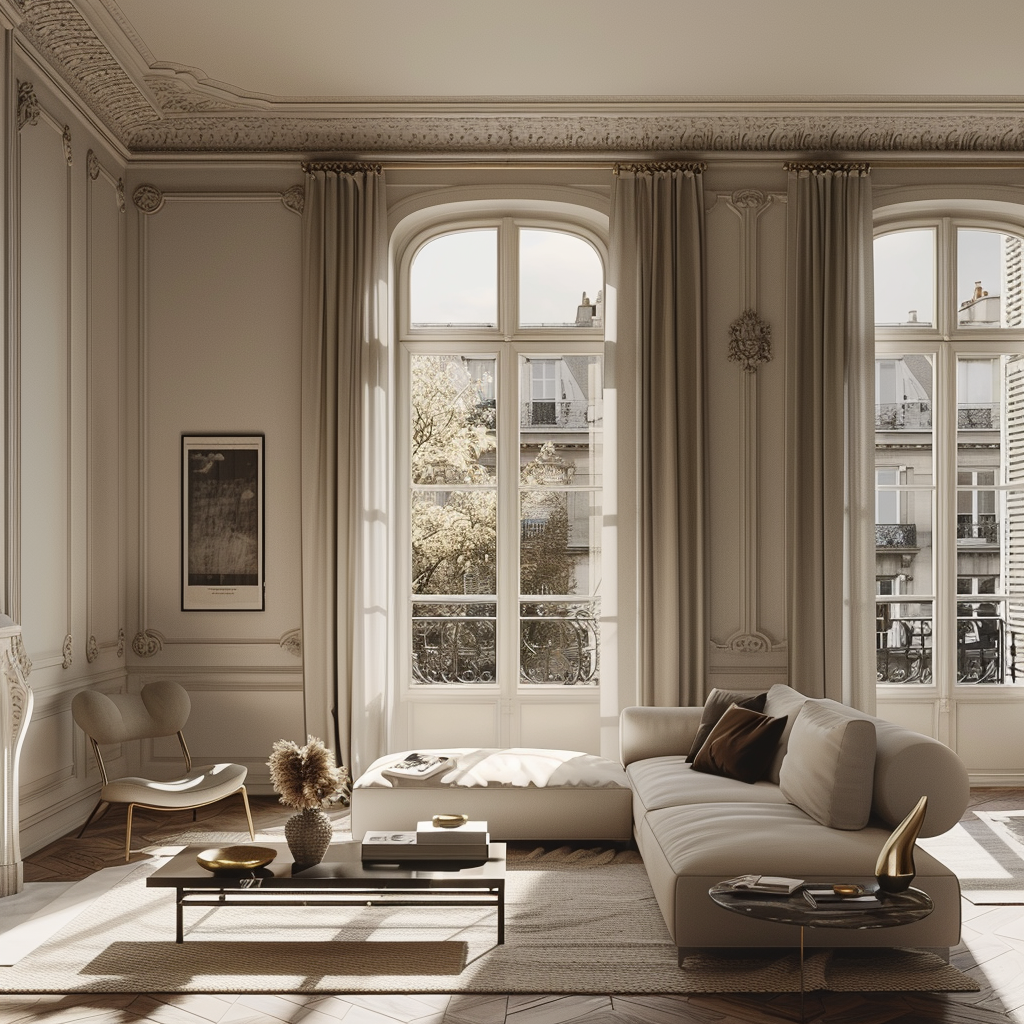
[[944, 643], [508, 523]]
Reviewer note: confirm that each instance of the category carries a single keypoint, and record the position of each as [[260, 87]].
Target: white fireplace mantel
[[15, 712]]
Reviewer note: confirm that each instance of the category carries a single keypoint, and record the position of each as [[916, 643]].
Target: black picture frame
[[222, 522]]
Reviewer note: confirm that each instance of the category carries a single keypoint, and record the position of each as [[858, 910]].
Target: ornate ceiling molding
[[162, 112]]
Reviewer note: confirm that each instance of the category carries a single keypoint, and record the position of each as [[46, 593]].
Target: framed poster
[[222, 523]]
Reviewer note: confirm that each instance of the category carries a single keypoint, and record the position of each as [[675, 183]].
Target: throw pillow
[[741, 745], [717, 703], [829, 770]]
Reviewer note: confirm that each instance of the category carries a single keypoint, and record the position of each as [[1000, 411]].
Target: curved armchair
[[161, 709]]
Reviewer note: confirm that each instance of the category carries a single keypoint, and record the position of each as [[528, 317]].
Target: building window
[[502, 446], [949, 453]]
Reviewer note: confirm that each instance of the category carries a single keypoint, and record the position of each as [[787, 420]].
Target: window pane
[[454, 643], [454, 542], [452, 419], [903, 408], [988, 285], [903, 642], [905, 278], [559, 642], [985, 647], [454, 281], [560, 280], [559, 542]]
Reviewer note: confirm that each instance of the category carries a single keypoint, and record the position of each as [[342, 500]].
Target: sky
[[905, 271], [454, 277]]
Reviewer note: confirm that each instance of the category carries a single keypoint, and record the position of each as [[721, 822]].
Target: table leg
[[501, 914], [179, 933]]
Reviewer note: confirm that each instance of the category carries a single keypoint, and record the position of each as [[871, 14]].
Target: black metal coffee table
[[341, 879]]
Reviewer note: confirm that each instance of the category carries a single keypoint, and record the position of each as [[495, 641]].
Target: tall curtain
[[657, 230], [830, 489], [344, 462]]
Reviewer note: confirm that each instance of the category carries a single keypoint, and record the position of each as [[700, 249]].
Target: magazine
[[419, 766], [823, 895], [776, 884]]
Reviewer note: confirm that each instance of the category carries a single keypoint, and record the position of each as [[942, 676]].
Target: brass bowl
[[236, 858], [449, 820]]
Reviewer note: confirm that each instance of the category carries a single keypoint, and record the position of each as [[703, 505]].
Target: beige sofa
[[695, 829]]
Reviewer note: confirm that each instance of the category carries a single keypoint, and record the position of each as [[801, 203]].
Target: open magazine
[[419, 766], [777, 884]]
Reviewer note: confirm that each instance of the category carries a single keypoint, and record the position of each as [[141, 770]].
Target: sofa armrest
[[656, 732]]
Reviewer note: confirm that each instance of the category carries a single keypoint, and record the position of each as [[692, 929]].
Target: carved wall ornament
[[16, 700], [750, 341], [68, 651], [148, 198], [292, 642], [93, 163], [120, 642], [750, 643], [28, 106], [92, 649], [65, 139], [120, 195], [146, 643], [749, 199], [294, 198], [21, 655]]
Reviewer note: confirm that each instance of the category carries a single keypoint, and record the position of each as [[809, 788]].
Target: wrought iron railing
[[895, 535], [974, 530], [575, 414], [903, 416], [978, 416], [559, 643], [986, 649]]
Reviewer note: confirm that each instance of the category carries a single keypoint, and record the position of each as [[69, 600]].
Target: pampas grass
[[307, 777]]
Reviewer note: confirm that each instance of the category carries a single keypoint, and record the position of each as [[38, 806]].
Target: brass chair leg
[[100, 809], [245, 801], [128, 835]]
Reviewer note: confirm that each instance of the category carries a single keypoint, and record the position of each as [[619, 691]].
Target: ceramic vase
[[308, 834], [894, 868]]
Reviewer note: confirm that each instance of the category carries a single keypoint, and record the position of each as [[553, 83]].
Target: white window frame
[[505, 342], [944, 342]]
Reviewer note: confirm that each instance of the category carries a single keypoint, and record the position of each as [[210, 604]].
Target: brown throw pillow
[[717, 703], [741, 746]]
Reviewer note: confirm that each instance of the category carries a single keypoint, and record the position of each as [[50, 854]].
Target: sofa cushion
[[659, 782], [717, 703], [782, 700], [741, 745], [829, 767]]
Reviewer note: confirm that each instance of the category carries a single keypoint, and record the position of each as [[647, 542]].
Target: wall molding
[[100, 177], [749, 346]]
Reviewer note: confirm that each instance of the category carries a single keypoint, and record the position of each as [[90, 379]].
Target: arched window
[[501, 328], [949, 452]]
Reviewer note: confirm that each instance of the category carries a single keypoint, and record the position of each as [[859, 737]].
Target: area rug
[[577, 922], [986, 853]]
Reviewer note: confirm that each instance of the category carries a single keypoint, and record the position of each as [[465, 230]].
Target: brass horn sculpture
[[894, 868]]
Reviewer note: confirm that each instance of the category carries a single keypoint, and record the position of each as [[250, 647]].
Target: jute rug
[[578, 921]]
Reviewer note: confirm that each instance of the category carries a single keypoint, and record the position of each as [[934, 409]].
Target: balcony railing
[[985, 532], [978, 416], [896, 535], [986, 650], [903, 416], [563, 415]]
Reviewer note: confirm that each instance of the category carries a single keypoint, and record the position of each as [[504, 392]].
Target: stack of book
[[468, 842]]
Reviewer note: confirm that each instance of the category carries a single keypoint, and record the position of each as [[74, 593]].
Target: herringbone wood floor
[[995, 961]]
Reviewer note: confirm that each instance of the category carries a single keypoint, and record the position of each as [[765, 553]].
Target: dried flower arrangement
[[306, 777]]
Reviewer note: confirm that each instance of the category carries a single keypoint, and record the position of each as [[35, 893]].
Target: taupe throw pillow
[[717, 703], [741, 745], [829, 770]]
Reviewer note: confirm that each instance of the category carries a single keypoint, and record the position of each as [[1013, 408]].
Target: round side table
[[895, 909]]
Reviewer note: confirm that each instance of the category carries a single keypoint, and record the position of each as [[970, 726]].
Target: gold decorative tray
[[236, 858]]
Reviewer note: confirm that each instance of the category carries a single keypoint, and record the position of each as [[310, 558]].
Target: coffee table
[[895, 909], [340, 879]]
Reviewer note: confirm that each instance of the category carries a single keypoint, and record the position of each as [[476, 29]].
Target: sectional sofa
[[832, 795]]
